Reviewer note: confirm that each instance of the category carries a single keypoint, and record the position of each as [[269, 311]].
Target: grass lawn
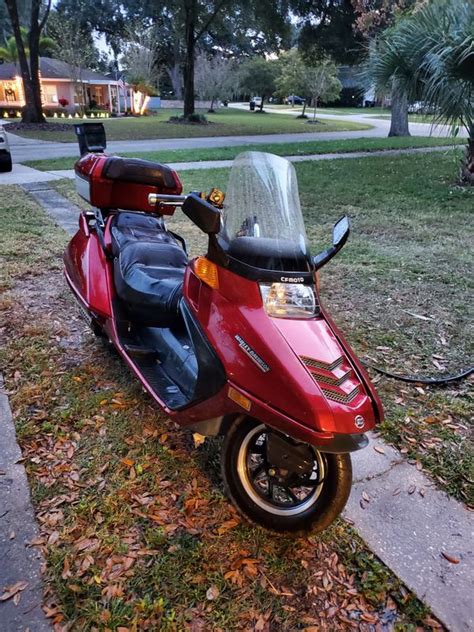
[[24, 226], [281, 149], [226, 122], [133, 523], [399, 290]]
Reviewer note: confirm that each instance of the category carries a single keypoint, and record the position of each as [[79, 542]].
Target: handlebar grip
[[154, 199]]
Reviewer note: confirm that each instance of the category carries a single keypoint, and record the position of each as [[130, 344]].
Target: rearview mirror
[[340, 233], [204, 215]]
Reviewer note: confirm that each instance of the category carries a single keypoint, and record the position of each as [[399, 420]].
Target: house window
[[50, 93], [8, 91]]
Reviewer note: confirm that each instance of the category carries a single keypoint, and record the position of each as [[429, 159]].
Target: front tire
[[290, 502]]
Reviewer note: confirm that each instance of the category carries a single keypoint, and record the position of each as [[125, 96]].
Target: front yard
[[226, 122], [133, 522], [296, 148], [135, 528]]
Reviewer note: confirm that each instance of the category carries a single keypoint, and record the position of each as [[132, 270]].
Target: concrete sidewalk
[[411, 526], [21, 174], [25, 175], [18, 561]]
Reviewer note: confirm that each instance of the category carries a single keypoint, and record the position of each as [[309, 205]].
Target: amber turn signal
[[239, 399], [207, 272]]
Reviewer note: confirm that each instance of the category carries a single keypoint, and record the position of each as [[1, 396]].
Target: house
[[81, 88], [355, 89]]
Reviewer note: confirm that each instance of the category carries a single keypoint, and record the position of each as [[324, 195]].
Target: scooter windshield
[[262, 221]]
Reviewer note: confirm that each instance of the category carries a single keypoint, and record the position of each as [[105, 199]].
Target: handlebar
[[154, 199]]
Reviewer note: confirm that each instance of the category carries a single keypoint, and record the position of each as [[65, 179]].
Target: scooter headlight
[[289, 300]]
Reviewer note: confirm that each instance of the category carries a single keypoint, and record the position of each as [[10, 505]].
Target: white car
[[257, 100], [5, 155]]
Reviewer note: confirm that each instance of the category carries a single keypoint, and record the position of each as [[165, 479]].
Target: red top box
[[110, 182]]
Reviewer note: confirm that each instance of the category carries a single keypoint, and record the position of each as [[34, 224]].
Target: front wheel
[[307, 491]]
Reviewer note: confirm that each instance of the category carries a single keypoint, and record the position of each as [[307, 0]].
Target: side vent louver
[[319, 372], [341, 397]]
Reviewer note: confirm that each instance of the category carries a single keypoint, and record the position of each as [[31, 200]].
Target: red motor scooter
[[235, 342]]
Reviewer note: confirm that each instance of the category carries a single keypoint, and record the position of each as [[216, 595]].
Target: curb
[[19, 562]]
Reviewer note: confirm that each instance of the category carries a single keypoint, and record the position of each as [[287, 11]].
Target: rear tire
[[303, 507]]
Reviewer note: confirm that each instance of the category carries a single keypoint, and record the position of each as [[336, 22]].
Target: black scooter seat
[[149, 267], [139, 171]]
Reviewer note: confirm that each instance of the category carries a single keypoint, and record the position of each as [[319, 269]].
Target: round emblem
[[359, 421]]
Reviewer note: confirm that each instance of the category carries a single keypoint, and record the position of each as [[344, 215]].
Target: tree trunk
[[32, 111], [190, 23], [399, 110], [174, 73], [467, 167], [261, 103]]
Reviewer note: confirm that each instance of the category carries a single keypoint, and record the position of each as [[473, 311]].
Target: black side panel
[[211, 373], [177, 361]]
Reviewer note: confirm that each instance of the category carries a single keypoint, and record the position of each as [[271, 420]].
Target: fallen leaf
[[10, 591], [379, 449], [226, 526], [366, 497], [212, 593], [450, 558], [411, 489], [419, 316]]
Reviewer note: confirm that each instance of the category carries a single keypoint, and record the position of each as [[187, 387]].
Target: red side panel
[[85, 265], [263, 356]]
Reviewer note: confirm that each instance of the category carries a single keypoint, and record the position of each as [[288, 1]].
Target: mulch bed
[[43, 127]]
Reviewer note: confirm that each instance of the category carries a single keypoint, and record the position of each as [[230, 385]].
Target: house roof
[[53, 69]]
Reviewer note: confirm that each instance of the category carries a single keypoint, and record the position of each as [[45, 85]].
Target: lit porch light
[[145, 103]]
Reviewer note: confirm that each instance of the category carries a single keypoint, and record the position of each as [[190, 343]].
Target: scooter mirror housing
[[91, 138], [340, 234], [204, 215]]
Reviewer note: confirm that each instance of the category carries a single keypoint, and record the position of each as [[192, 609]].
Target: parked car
[[293, 99], [257, 101], [5, 155], [420, 107]]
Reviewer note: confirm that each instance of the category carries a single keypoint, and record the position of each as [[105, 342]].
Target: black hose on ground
[[423, 380]]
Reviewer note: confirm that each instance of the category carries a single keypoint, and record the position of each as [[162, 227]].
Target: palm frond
[[431, 56]]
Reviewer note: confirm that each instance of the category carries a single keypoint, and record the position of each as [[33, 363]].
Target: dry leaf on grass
[[212, 593]]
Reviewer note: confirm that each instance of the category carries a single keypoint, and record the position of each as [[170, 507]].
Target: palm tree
[[9, 52], [430, 56]]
